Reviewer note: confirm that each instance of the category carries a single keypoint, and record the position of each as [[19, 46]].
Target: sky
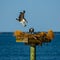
[[42, 15]]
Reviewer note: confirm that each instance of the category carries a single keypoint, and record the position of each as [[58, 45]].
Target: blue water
[[10, 50]]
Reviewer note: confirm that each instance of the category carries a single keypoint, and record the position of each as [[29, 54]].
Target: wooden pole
[[32, 52]]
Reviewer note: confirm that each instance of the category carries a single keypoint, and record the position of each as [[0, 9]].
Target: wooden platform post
[[32, 52]]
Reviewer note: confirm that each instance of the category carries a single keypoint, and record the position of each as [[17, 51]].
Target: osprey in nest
[[21, 19]]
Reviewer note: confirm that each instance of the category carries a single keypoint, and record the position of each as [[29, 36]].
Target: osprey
[[21, 19]]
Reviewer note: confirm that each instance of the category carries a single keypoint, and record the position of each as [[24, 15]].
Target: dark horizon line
[[34, 32]]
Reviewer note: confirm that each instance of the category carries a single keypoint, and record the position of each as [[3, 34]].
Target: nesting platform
[[34, 39]]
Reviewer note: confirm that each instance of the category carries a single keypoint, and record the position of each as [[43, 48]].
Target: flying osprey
[[21, 19]]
